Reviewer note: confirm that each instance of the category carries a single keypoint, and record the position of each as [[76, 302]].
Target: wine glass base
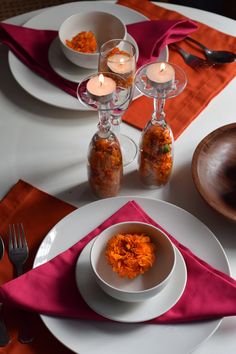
[[129, 149]]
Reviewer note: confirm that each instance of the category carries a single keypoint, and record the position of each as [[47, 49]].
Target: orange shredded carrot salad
[[130, 254], [84, 42]]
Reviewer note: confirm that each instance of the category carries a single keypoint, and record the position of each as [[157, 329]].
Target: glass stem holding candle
[[118, 56], [105, 167], [159, 81]]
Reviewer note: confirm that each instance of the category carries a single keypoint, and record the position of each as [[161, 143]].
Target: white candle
[[160, 75], [101, 88], [121, 63]]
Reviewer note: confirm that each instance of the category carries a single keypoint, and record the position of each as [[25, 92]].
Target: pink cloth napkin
[[51, 289], [31, 45], [152, 36]]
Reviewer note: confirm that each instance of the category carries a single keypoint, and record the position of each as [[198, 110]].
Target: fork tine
[[23, 237], [10, 236], [14, 237], [19, 240]]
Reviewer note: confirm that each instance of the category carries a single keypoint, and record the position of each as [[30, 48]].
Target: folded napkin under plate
[[51, 288]]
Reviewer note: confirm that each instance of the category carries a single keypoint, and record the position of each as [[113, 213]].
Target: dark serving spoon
[[215, 56]]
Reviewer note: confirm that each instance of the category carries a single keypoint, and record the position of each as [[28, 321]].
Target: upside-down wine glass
[[104, 92], [156, 149], [119, 56]]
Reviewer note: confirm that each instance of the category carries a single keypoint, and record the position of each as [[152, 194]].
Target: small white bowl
[[104, 26], [143, 286]]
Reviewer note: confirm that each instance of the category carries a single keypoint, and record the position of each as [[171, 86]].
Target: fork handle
[[19, 270], [180, 50], [25, 334], [190, 39]]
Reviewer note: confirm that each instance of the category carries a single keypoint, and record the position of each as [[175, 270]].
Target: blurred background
[[9, 8]]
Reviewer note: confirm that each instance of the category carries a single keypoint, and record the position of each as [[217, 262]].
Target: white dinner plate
[[51, 19], [128, 312], [92, 337]]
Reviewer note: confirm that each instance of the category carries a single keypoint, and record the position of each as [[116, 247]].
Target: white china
[[133, 338], [144, 286], [127, 312], [103, 25], [51, 19]]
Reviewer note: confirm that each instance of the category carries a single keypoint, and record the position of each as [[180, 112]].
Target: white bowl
[[143, 286], [104, 26]]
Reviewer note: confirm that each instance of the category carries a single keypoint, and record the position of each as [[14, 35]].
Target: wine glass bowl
[[119, 56], [159, 81], [105, 93]]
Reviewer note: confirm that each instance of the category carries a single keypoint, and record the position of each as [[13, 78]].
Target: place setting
[[64, 266], [123, 264], [50, 21]]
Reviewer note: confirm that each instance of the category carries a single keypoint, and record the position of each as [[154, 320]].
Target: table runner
[[203, 85]]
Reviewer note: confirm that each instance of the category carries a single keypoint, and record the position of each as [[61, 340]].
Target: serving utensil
[[18, 253], [215, 56], [193, 61], [4, 337]]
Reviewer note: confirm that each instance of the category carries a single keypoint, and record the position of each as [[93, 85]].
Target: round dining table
[[47, 145]]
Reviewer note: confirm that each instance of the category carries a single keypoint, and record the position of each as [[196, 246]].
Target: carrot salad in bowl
[[130, 254]]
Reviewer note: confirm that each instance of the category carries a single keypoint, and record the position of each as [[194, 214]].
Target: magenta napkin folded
[[152, 36], [31, 45], [51, 288]]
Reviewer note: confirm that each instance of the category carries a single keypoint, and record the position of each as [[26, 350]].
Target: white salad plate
[[128, 312], [51, 19], [93, 337]]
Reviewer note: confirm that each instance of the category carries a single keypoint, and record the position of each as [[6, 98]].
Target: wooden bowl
[[214, 170]]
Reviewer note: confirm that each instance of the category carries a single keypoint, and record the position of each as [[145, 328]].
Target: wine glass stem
[[115, 123], [104, 125], [158, 113]]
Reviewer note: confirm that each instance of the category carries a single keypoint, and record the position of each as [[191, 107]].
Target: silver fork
[[192, 60], [18, 248], [18, 253]]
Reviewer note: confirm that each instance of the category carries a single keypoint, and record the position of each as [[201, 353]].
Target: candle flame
[[101, 79], [162, 67], [122, 60]]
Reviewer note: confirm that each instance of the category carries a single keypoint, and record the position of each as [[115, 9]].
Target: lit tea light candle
[[121, 63], [101, 88], [160, 75]]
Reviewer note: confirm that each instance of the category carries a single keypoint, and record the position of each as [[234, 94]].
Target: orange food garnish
[[130, 254], [84, 42]]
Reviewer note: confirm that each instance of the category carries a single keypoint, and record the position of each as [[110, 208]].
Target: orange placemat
[[203, 85], [39, 212]]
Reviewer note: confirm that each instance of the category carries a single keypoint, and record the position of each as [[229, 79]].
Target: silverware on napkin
[[214, 56], [4, 337], [193, 61], [18, 253]]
